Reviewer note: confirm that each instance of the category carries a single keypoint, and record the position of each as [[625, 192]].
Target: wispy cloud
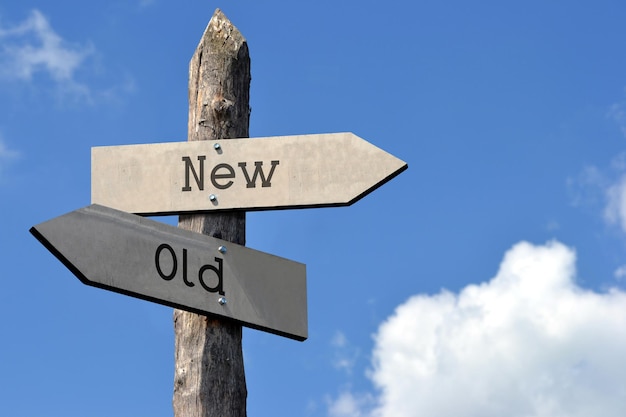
[[146, 3], [6, 156], [615, 210], [617, 112], [348, 404], [587, 188], [620, 273], [32, 48], [529, 342], [604, 190], [346, 355], [605, 186], [6, 153]]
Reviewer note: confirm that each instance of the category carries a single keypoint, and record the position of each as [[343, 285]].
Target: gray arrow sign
[[142, 258]]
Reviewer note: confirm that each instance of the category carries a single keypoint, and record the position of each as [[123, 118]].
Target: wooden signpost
[[209, 377], [202, 268]]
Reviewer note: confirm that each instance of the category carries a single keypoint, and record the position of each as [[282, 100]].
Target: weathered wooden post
[[209, 377]]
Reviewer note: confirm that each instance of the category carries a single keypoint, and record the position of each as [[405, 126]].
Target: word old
[[173, 261]]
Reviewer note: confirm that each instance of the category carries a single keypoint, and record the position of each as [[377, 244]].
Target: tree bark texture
[[209, 377]]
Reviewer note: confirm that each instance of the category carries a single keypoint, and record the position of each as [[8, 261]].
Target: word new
[[217, 270], [223, 175]]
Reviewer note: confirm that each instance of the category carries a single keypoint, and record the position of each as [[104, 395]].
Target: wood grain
[[209, 377]]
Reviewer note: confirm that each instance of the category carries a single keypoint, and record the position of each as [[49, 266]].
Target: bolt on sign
[[142, 258], [239, 174]]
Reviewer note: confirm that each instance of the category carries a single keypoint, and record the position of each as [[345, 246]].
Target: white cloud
[[530, 342], [34, 47]]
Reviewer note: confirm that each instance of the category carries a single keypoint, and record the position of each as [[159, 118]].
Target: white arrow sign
[[153, 261], [248, 174]]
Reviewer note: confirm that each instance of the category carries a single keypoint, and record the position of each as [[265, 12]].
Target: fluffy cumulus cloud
[[33, 47], [530, 343]]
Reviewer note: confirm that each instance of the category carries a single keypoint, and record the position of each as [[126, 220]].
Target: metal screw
[[222, 300], [216, 146], [222, 249], [212, 197]]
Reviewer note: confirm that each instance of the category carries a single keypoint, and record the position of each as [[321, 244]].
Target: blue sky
[[488, 279]]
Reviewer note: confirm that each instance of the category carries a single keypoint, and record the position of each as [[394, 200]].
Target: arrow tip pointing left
[[47, 234]]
